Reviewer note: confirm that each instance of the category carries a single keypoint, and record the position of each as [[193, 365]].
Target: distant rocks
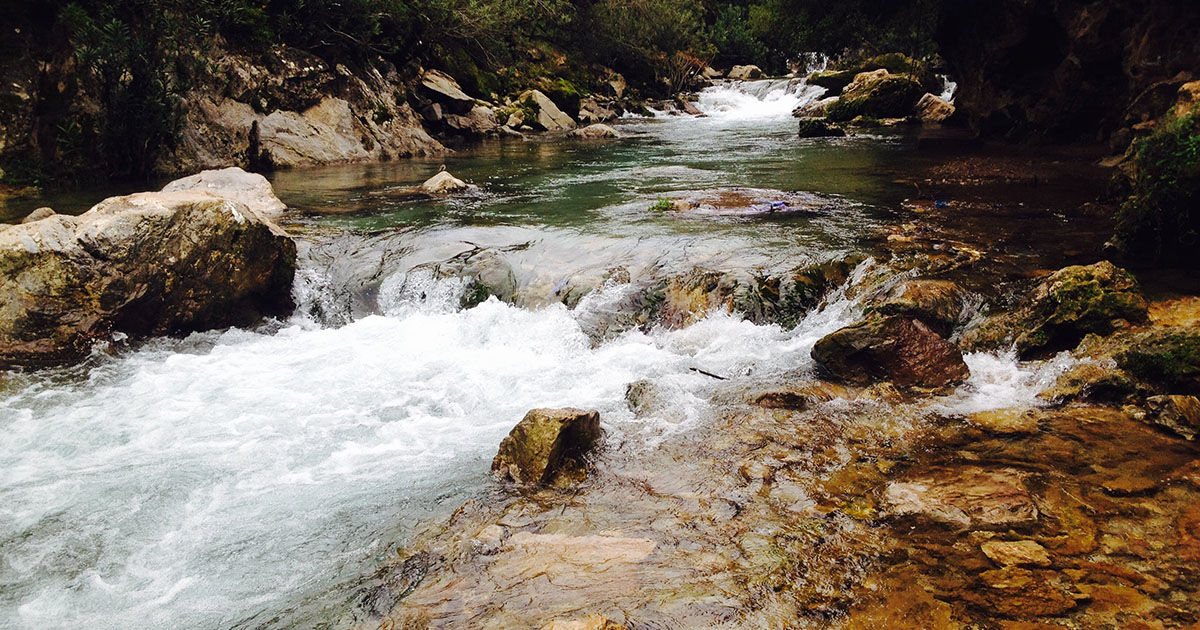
[[745, 73], [548, 446], [546, 115], [442, 89], [142, 265], [596, 131]]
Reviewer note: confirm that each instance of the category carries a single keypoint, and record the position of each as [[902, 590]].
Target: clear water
[[237, 478]]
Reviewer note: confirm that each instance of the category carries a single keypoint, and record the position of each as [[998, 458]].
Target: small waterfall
[[756, 100], [948, 88]]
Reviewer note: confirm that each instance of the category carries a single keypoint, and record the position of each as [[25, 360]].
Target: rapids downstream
[[244, 478]]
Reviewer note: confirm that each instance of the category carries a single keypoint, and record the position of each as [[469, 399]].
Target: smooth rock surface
[[443, 183], [548, 116], [233, 183]]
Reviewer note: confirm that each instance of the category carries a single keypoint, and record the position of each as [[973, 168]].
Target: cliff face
[[1068, 70]]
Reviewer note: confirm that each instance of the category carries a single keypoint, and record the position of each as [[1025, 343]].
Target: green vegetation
[[662, 205], [1160, 222]]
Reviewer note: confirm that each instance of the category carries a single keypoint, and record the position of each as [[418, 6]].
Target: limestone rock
[[443, 183], [937, 303], [876, 94], [548, 117], [818, 128], [443, 89], [968, 498], [144, 264], [597, 131], [546, 445], [816, 109], [897, 349], [1179, 414], [933, 109], [479, 120], [745, 73], [1021, 552], [38, 215], [250, 189]]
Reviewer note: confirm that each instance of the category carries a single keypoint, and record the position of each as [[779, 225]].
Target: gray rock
[[745, 73], [443, 183], [442, 88], [594, 132], [38, 215], [549, 117], [250, 189]]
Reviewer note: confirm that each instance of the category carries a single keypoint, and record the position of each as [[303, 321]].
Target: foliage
[[662, 205], [1159, 223]]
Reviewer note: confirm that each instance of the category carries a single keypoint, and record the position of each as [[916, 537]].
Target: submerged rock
[[591, 622], [967, 498], [818, 128], [1008, 553], [236, 185], [145, 264], [745, 73], [443, 183], [1069, 304], [548, 445], [897, 349]]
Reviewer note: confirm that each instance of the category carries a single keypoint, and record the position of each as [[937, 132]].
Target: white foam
[[756, 100], [1000, 381]]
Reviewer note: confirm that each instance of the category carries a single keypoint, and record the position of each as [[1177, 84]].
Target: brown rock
[[1007, 553], [937, 303], [546, 445], [974, 498], [1020, 592], [933, 109], [1010, 421], [1179, 414], [897, 349], [591, 622]]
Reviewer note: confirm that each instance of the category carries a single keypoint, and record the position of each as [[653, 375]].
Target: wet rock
[[251, 189], [443, 183], [1020, 552], [818, 128], [547, 445], [145, 264], [644, 397], [937, 303], [1069, 304], [593, 111], [832, 80], [1167, 357], [1006, 421], [897, 349], [547, 115], [38, 215], [591, 622], [1021, 592], [933, 109], [443, 89], [1179, 414], [688, 107], [479, 120], [816, 109], [488, 275], [781, 399], [745, 73], [1095, 381], [876, 94], [594, 132], [967, 498]]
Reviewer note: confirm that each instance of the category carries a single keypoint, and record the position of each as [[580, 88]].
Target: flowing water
[[233, 478]]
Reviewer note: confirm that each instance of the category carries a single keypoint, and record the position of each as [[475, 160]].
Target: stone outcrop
[[547, 446], [249, 189], [441, 88], [145, 264], [876, 94], [1065, 70], [1069, 304], [901, 350], [547, 116]]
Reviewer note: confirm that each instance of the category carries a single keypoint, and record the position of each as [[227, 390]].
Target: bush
[[1160, 222]]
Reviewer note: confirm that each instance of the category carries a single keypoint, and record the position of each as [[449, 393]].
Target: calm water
[[237, 478]]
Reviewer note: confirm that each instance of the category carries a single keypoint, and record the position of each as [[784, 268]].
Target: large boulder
[[816, 109], [144, 264], [834, 81], [546, 115], [876, 94], [479, 121], [937, 303], [443, 183], [1069, 304], [441, 88], [745, 73], [548, 445], [934, 109], [250, 189], [897, 349], [818, 128]]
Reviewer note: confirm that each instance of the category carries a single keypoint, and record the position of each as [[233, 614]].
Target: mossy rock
[[1169, 356], [833, 80], [876, 95], [548, 446], [818, 128]]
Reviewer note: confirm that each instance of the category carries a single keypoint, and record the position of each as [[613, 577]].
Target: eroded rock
[[745, 73], [1179, 414], [250, 189], [546, 446], [967, 498], [38, 215], [443, 183], [1019, 552]]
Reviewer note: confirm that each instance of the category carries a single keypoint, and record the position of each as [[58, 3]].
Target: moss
[[817, 128], [565, 95], [662, 205], [891, 96], [1170, 356]]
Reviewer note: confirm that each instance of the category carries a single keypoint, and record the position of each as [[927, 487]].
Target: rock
[[1017, 591], [591, 622], [1179, 414], [38, 215], [547, 444], [597, 131], [897, 349], [816, 109], [745, 73], [818, 128], [688, 107], [644, 397], [443, 89], [968, 498], [781, 399], [1069, 304], [145, 264], [548, 117], [1095, 381], [250, 189], [1006, 421], [933, 109], [479, 121], [833, 80], [1166, 357], [876, 94], [711, 73], [486, 274], [1009, 553], [443, 183], [616, 83], [592, 111], [937, 303]]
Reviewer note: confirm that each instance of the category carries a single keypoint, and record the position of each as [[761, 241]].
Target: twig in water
[[720, 378]]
